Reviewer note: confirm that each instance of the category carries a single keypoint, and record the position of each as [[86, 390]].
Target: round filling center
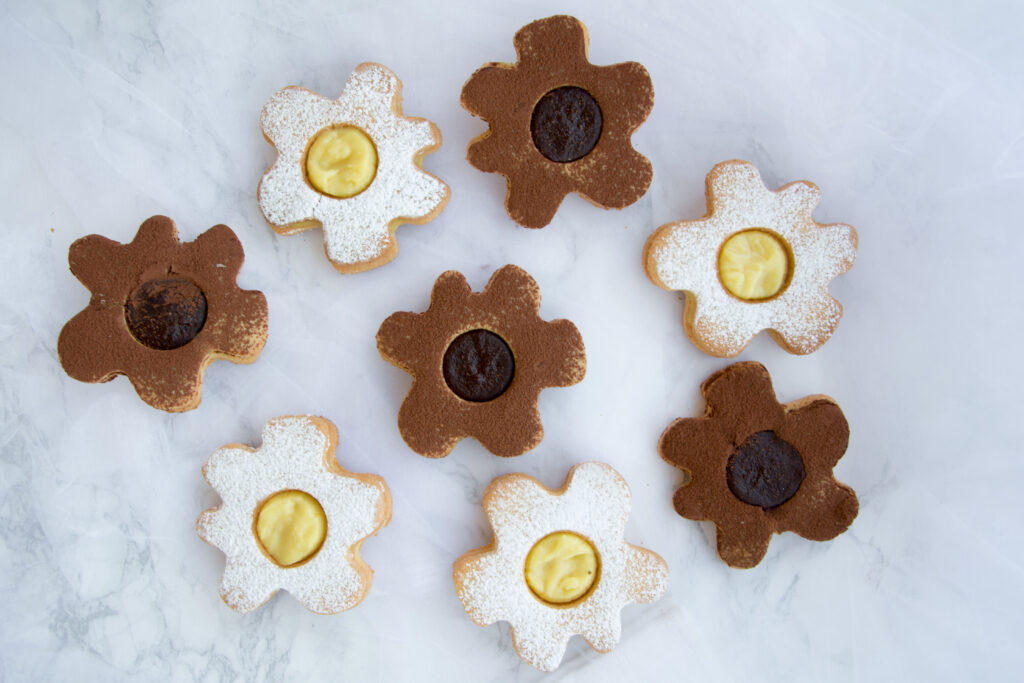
[[291, 527], [341, 162], [566, 124], [754, 264], [478, 366], [765, 471], [561, 567], [165, 314]]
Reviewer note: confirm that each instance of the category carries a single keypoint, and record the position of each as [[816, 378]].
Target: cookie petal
[[834, 247], [819, 432], [350, 241], [543, 653], [347, 588], [421, 423], [700, 500], [603, 636], [822, 509], [90, 345], [742, 543], [571, 359], [514, 290], [799, 200], [694, 444], [450, 287], [742, 400], [217, 253], [733, 183], [625, 177], [818, 320], [478, 92], [288, 111], [241, 336], [420, 196], [376, 89], [94, 261], [646, 575], [243, 590], [632, 84], [561, 38], [517, 434], [477, 572], [533, 200], [287, 202], [398, 340], [507, 495]]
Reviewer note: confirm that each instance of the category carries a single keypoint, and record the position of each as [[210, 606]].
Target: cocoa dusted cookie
[[161, 311], [479, 362], [559, 124], [758, 467]]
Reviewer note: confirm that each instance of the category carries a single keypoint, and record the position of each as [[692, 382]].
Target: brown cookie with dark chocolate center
[[161, 311], [758, 467], [559, 124], [479, 361]]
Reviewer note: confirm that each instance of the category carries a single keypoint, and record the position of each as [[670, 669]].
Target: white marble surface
[[909, 116]]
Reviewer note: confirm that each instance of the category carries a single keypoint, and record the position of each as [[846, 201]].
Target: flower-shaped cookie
[[479, 362], [758, 468], [292, 518], [558, 565], [351, 166], [756, 261], [161, 311], [559, 124]]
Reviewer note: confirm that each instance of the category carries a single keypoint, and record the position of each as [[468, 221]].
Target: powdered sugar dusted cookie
[[351, 166], [292, 518], [558, 564], [756, 261]]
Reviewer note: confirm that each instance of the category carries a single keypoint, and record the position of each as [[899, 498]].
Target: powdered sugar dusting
[[356, 229], [492, 586], [685, 257], [291, 457]]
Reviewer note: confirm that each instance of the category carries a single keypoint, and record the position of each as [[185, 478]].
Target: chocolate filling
[[165, 314], [765, 471], [478, 366], [566, 124]]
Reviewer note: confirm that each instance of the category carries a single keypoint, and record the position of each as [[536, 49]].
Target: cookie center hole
[[562, 567], [166, 313], [290, 527], [755, 264], [566, 124], [478, 366], [341, 162], [765, 471]]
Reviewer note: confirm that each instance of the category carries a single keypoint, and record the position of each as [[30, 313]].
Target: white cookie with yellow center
[[292, 518], [351, 166], [559, 564], [757, 261]]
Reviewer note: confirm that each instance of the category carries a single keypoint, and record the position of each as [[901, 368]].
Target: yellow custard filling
[[291, 527], [341, 162], [561, 567], [753, 264]]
